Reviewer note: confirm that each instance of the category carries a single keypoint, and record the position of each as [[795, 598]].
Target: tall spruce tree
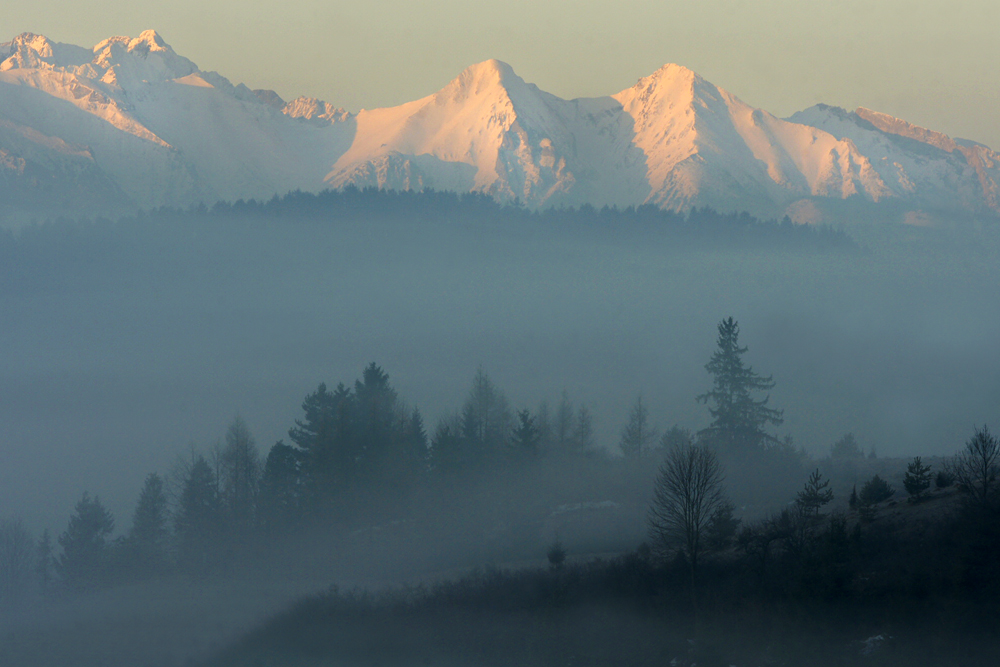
[[487, 422], [280, 489], [564, 424], [45, 560], [415, 446], [84, 561], [198, 522], [148, 540], [327, 442], [379, 424], [738, 418], [637, 434], [524, 441], [583, 432], [449, 451]]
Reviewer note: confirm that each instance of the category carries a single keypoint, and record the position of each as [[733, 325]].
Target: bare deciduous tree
[[239, 474], [977, 467], [687, 492]]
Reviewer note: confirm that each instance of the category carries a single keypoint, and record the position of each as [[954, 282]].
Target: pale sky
[[931, 62]]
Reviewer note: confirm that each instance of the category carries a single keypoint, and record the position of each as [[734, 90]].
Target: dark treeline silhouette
[[698, 226], [417, 206], [801, 587], [885, 583]]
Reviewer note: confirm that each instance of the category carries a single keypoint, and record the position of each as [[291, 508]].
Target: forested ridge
[[699, 227]]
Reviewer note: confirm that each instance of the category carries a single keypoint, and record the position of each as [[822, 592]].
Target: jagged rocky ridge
[[131, 124]]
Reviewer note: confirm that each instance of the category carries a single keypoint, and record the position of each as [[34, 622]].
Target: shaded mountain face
[[130, 123]]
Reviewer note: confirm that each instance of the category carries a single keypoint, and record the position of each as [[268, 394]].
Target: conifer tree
[[449, 450], [45, 560], [280, 489], [327, 441], [564, 423], [637, 434], [84, 560], [583, 432], [543, 421], [873, 492], [380, 426], [816, 493], [198, 522], [917, 478], [148, 539], [738, 418], [524, 440], [415, 446], [486, 420]]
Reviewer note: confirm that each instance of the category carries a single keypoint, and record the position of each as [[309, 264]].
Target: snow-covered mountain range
[[131, 124]]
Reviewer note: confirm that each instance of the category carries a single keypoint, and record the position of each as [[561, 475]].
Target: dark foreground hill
[[916, 584]]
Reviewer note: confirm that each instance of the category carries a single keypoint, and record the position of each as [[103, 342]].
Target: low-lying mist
[[133, 347], [125, 343]]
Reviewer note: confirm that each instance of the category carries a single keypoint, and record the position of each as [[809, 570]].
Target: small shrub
[[875, 491], [944, 479], [917, 479]]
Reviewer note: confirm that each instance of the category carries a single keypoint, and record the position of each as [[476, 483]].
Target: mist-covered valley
[[125, 343], [131, 347]]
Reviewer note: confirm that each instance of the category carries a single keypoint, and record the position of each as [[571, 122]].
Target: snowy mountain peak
[[490, 71], [492, 78], [669, 72], [148, 41], [26, 50], [669, 79], [156, 130], [893, 125], [144, 58], [315, 111], [31, 51], [664, 98]]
